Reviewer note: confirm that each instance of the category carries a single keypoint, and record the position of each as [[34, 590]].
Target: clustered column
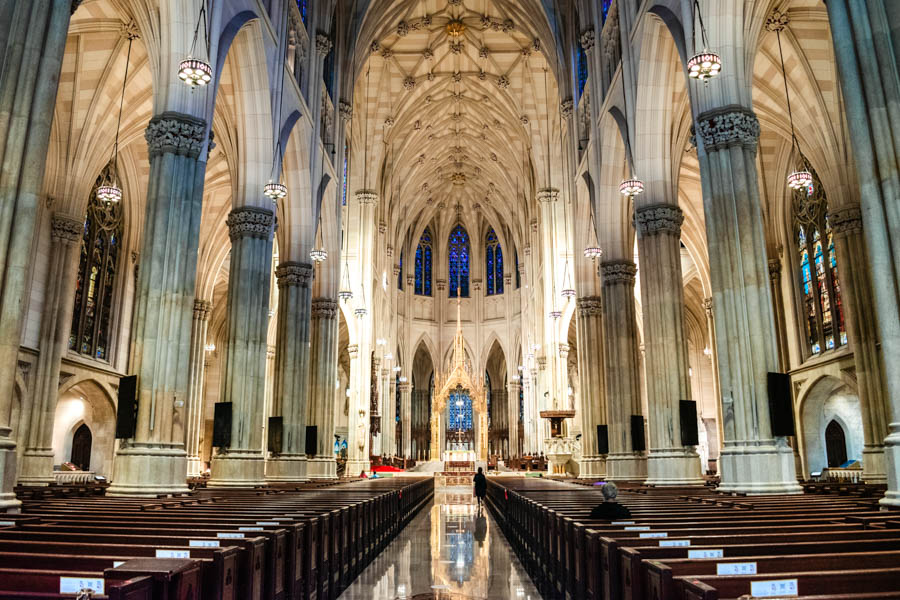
[[512, 408], [322, 375], [622, 378], [662, 290], [292, 348], [195, 393], [591, 375], [406, 418], [241, 464]]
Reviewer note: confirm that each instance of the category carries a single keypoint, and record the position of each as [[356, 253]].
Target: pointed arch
[[493, 257], [458, 249], [424, 262]]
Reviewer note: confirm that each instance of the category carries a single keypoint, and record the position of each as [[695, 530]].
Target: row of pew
[[694, 544], [285, 543]]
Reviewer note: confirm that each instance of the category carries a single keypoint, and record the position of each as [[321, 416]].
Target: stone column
[[591, 375], [751, 460], [357, 430], [406, 418], [658, 229], [154, 462], [322, 375], [623, 385], [35, 40], [242, 464], [195, 393], [292, 346], [56, 324], [388, 412], [512, 421], [856, 293], [778, 307], [717, 391]]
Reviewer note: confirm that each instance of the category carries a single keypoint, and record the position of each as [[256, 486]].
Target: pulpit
[[558, 448]]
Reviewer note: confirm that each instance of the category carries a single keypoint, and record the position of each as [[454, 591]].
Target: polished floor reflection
[[450, 551]]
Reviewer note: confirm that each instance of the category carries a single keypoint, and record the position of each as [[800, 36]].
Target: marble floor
[[449, 551]]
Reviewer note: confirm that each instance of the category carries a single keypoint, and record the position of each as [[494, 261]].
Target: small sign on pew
[[741, 568], [622, 523], [250, 529], [229, 535], [73, 585], [711, 553], [118, 563], [267, 522], [161, 553], [774, 588], [7, 523], [654, 534], [638, 528], [674, 543], [204, 543]]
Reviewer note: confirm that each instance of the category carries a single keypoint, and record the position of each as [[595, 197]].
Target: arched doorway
[[835, 444], [81, 448]]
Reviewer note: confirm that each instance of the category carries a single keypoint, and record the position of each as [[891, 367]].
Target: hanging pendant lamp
[[705, 64], [194, 71], [110, 191], [800, 177]]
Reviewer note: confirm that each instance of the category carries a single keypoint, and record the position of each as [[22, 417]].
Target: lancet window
[[458, 256], [424, 255], [494, 259]]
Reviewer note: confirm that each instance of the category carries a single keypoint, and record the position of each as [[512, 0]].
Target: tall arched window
[[458, 257], [424, 254], [344, 174], [581, 67], [460, 405], [493, 254], [400, 273], [100, 250], [823, 311]]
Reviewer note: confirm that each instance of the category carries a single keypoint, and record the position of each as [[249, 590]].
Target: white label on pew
[[744, 568], [250, 529], [229, 534], [717, 553], [204, 543], [73, 585], [674, 543], [173, 553], [6, 523], [654, 534], [267, 522], [769, 589], [118, 563], [282, 519], [622, 523], [638, 528]]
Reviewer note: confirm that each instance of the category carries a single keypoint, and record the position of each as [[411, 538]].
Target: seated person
[[610, 509]]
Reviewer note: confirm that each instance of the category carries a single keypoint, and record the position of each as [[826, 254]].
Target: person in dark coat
[[610, 509], [480, 486]]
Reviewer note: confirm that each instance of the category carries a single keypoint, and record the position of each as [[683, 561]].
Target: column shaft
[[322, 375], [195, 393], [591, 376]]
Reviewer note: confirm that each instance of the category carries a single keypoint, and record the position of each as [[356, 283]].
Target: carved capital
[[405, 387], [323, 44], [588, 38], [777, 21], [250, 221], [846, 219], [728, 126], [366, 196], [566, 108], [65, 228], [345, 110], [202, 309], [175, 133], [476, 284], [293, 274], [440, 284], [620, 271], [774, 269], [564, 350], [324, 308], [396, 270], [548, 195], [708, 306], [590, 306], [353, 350], [659, 218]]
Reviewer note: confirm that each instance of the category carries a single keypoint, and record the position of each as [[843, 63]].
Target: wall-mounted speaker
[[637, 434], [312, 440], [275, 432], [781, 405], [687, 410], [222, 425], [602, 439], [126, 408]]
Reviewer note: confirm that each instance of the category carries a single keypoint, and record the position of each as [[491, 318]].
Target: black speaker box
[[312, 439], [688, 418], [275, 432], [126, 408], [781, 406], [222, 425], [602, 439], [637, 434]]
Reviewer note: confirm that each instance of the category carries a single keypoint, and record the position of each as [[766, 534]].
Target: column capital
[[353, 351], [564, 350], [366, 196], [66, 228], [659, 218], [587, 39], [547, 194], [405, 387], [774, 269], [620, 271], [512, 387], [476, 284], [250, 221], [846, 219], [566, 108], [589, 306], [345, 109], [440, 284], [323, 44], [293, 274], [728, 126], [176, 133], [202, 309], [708, 306], [396, 270], [324, 308]]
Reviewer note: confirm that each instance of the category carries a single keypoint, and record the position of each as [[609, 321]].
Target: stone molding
[[323, 44], [564, 350], [405, 387], [410, 280], [659, 218], [66, 228], [175, 133], [728, 126], [250, 221], [202, 309], [324, 308], [846, 219], [293, 274], [588, 38], [589, 306], [547, 195], [366, 196], [620, 271]]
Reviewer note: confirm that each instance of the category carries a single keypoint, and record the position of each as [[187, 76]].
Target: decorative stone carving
[[387, 54], [548, 195], [396, 270], [589, 306], [588, 38], [774, 269], [503, 82], [366, 196], [389, 122], [440, 284], [483, 52], [428, 53], [566, 108], [65, 228], [323, 45], [622, 271], [523, 119], [345, 110], [202, 309], [777, 21], [250, 221], [293, 274], [389, 251], [728, 126], [402, 28], [456, 47], [507, 279], [659, 218], [382, 227], [708, 306], [564, 350], [410, 280], [409, 83], [476, 284], [353, 350], [176, 133], [846, 219]]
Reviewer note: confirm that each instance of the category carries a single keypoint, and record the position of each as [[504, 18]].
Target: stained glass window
[[460, 405], [302, 5], [459, 262], [494, 259], [344, 175], [581, 65], [424, 252], [605, 8], [95, 283]]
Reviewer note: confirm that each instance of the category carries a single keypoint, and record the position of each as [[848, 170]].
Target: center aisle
[[448, 551]]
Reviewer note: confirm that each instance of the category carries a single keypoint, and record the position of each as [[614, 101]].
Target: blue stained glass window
[[581, 64], [423, 264], [460, 405], [302, 5], [344, 176], [459, 262], [494, 259], [605, 8]]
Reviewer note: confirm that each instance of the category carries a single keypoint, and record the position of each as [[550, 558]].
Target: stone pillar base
[[874, 470], [673, 467], [626, 466], [149, 470], [237, 468], [591, 467], [892, 464], [321, 467], [8, 502], [194, 466], [37, 467], [766, 468], [287, 467], [355, 467]]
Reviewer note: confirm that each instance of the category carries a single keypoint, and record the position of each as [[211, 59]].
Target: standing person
[[480, 486], [610, 509]]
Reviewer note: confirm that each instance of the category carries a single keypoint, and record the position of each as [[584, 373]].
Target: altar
[[458, 456]]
